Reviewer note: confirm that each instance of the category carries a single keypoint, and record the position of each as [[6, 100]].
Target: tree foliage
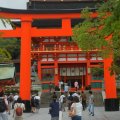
[[12, 45], [9, 47], [4, 56], [91, 34]]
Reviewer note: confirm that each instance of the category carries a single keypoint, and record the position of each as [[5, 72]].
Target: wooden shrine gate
[[26, 32]]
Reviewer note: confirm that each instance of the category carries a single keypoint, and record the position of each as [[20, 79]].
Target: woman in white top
[[77, 107]]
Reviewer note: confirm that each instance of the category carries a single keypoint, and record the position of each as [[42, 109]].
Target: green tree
[[4, 56], [90, 34], [12, 45]]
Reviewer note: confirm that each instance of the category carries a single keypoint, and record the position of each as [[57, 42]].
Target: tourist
[[62, 101], [91, 103], [70, 100], [66, 88], [19, 107], [61, 85], [76, 85], [76, 109], [54, 110], [3, 106], [84, 98], [37, 102], [16, 96], [33, 109], [10, 101], [75, 94]]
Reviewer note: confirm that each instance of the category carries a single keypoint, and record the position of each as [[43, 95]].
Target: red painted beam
[[37, 32], [8, 15], [11, 33], [50, 32]]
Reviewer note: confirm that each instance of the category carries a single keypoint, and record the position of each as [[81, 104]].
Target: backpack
[[2, 105], [19, 110], [37, 102]]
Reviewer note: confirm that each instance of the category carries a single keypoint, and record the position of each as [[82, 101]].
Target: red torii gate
[[26, 32]]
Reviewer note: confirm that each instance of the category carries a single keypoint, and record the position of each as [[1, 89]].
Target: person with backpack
[[19, 107], [3, 107], [33, 108], [37, 102]]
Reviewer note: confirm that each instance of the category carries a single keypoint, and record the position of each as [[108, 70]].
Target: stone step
[[46, 98]]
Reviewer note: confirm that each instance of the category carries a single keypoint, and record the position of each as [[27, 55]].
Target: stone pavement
[[100, 114]]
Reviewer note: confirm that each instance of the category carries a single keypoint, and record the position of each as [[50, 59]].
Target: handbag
[[73, 112]]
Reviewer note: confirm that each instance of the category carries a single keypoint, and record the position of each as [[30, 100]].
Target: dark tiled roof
[[65, 4]]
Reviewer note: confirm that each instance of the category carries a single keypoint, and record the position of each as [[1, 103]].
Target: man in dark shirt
[[54, 110]]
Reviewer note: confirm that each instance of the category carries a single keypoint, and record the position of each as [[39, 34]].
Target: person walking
[[84, 98], [91, 103], [70, 100], [33, 109], [54, 109], [76, 109], [19, 107], [16, 96], [3, 107], [10, 102], [37, 102], [62, 101]]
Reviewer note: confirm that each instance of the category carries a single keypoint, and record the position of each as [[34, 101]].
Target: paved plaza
[[100, 114]]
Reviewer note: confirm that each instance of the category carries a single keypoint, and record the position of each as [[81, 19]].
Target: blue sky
[[15, 4]]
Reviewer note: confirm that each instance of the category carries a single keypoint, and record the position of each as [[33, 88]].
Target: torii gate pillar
[[111, 101], [25, 60]]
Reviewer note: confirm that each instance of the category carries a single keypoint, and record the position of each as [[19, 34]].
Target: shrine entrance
[[69, 73], [26, 31]]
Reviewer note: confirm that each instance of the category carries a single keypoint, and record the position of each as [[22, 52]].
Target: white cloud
[[15, 4]]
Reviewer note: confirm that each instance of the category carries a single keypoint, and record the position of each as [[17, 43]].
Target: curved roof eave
[[43, 11]]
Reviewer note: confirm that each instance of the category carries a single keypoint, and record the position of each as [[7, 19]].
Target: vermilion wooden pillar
[[56, 79], [25, 60], [66, 26], [111, 101], [88, 71], [39, 70], [109, 80]]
